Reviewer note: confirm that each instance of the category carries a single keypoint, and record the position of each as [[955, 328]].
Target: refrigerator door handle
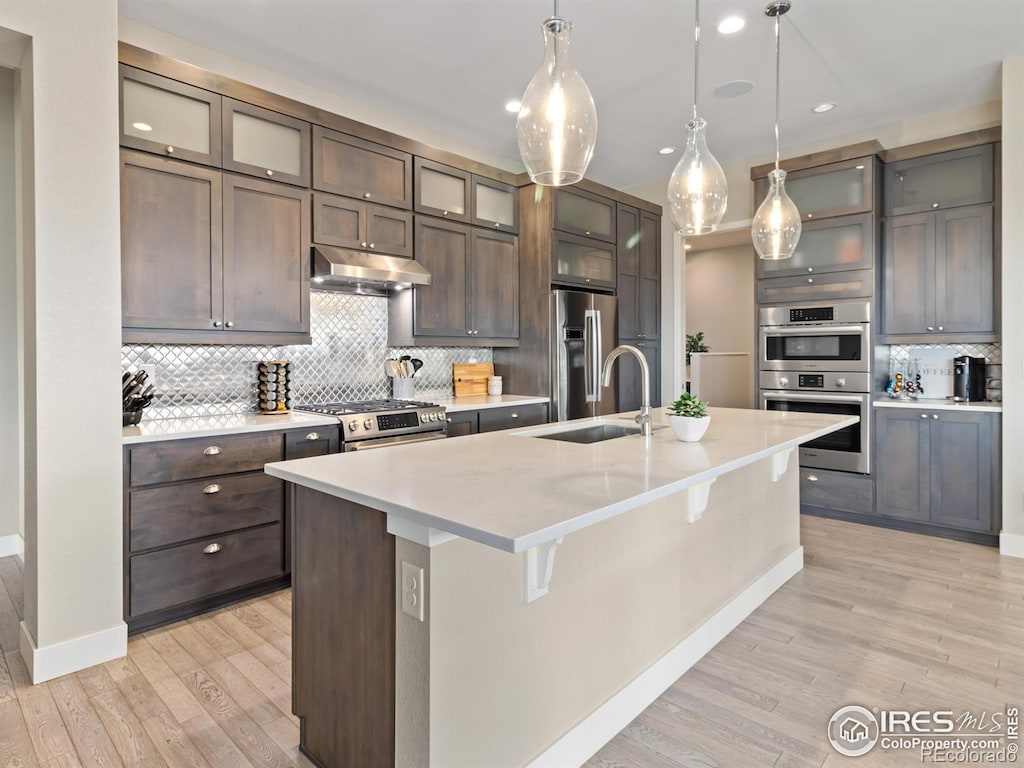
[[591, 332], [598, 354]]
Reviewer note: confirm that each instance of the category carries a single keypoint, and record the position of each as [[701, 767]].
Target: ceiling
[[451, 65]]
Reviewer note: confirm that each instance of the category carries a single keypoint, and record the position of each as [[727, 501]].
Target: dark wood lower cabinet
[[461, 423]]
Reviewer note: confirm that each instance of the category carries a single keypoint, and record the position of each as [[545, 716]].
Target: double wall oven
[[817, 359]]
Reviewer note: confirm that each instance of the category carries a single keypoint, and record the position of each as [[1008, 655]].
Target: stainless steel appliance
[[817, 359], [968, 378], [848, 394], [831, 337], [379, 423], [584, 329]]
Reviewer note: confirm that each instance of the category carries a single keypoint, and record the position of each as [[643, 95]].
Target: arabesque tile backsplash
[[344, 362]]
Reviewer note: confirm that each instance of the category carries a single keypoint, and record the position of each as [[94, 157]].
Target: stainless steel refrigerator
[[584, 330]]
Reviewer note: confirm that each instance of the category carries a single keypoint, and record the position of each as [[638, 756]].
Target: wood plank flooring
[[877, 617]]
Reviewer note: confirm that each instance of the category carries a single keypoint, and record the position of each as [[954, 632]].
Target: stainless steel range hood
[[370, 274]]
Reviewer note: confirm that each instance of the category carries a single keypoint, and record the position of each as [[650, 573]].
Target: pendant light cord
[[696, 57], [776, 92]]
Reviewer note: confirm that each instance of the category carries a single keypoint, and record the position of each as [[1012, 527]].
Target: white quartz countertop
[[481, 402], [924, 403], [513, 491], [204, 426]]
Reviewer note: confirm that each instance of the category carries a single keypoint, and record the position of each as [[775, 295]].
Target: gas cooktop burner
[[364, 406]]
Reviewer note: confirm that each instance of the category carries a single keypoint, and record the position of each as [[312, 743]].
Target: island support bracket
[[538, 566], [697, 500], [780, 463]]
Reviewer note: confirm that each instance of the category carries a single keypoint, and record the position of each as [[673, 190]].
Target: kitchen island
[[514, 598]]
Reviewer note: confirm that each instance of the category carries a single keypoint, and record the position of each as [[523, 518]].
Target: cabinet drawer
[[840, 491], [463, 423], [316, 441], [184, 573], [176, 513], [493, 419], [188, 459], [838, 285]]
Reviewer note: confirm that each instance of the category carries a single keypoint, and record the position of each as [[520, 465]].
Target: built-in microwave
[[834, 337]]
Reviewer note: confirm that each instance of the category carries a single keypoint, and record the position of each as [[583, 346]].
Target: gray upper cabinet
[[583, 213], [267, 144], [169, 118], [351, 167], [442, 190], [828, 245], [582, 261], [836, 189], [638, 260], [939, 467], [945, 180], [495, 205], [348, 223], [824, 287], [908, 275]]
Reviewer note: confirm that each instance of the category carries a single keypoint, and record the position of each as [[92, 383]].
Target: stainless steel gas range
[[369, 424]]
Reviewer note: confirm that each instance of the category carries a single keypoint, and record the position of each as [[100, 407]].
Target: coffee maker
[[968, 378]]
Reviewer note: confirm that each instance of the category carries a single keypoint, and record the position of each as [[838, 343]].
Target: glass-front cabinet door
[[582, 261], [583, 213], [169, 118], [441, 190], [829, 245], [495, 205], [836, 189], [267, 144], [944, 180]]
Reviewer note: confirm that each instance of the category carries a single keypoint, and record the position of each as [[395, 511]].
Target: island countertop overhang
[[512, 491]]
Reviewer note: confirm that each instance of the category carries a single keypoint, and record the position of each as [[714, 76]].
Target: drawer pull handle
[[313, 436], [213, 450], [211, 489], [812, 478], [513, 415], [924, 415], [211, 549]]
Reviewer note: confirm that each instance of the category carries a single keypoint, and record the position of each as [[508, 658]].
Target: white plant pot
[[687, 428]]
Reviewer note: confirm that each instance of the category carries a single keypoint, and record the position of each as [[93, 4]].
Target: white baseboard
[[583, 741], [72, 655], [12, 545], [1011, 544]]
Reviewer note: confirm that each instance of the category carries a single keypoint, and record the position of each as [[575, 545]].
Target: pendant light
[[557, 123], [776, 226], [697, 191]]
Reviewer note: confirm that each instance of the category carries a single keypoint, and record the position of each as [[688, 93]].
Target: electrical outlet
[[412, 590], [150, 373]]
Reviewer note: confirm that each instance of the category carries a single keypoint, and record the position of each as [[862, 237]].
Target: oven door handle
[[814, 397], [384, 442], [815, 330]]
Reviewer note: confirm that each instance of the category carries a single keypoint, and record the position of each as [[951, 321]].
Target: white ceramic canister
[[494, 385]]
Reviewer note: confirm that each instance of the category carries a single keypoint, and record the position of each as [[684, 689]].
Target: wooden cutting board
[[471, 378]]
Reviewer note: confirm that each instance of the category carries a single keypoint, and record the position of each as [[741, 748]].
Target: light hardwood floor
[[878, 618]]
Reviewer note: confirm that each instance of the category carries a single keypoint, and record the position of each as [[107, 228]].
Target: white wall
[[10, 447], [70, 244], [720, 298], [1012, 539]]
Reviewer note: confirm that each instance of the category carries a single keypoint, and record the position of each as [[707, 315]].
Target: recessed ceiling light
[[513, 106], [731, 24], [666, 150], [827, 106], [733, 88], [142, 126]]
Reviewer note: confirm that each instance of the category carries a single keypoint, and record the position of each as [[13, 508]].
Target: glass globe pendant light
[[697, 191], [776, 226], [557, 124]]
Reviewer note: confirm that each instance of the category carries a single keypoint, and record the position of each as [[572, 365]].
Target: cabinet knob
[[931, 327], [362, 244], [476, 332], [812, 478], [211, 549], [497, 223], [211, 489], [587, 280], [469, 332], [269, 172], [935, 416], [587, 233], [217, 323], [313, 436], [810, 279], [924, 415], [444, 213], [810, 215], [940, 328], [513, 415], [640, 344], [170, 150], [366, 195], [810, 269], [935, 205], [373, 245], [213, 450], [449, 419], [229, 324]]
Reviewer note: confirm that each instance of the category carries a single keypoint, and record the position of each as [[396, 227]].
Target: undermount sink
[[594, 434]]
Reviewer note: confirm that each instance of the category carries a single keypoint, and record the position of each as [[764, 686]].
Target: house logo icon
[[853, 731]]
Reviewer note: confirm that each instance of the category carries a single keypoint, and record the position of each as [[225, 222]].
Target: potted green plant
[[695, 343], [688, 417]]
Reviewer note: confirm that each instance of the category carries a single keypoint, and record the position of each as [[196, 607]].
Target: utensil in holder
[[273, 387], [403, 389]]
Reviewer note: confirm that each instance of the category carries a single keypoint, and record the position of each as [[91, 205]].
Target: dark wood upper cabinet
[[584, 213], [835, 189], [345, 165], [348, 223], [442, 190], [171, 260], [441, 308], [628, 265], [266, 256], [828, 245], [169, 118], [944, 180], [650, 275], [495, 205], [494, 285], [263, 143], [582, 261]]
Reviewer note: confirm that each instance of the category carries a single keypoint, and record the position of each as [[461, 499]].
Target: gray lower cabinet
[[939, 467], [461, 423], [204, 525], [630, 380], [823, 489]]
